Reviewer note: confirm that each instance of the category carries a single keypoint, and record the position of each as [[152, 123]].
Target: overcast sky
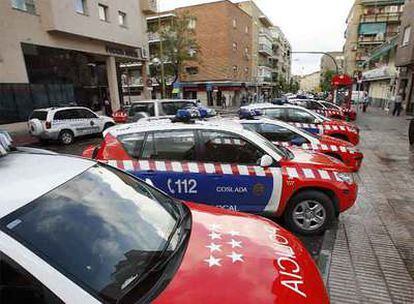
[[310, 25]]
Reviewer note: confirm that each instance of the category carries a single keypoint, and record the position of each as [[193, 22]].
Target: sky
[[309, 25]]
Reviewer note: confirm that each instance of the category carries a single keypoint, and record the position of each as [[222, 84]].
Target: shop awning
[[372, 28]]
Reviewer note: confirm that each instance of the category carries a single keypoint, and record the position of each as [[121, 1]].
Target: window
[[228, 148], [191, 70], [278, 133], [296, 115], [234, 23], [103, 12], [192, 24], [246, 29], [276, 113], [122, 234], [234, 46], [406, 37], [122, 18], [18, 286], [138, 108], [66, 114], [86, 114], [235, 68], [41, 115], [172, 145], [80, 6], [24, 5], [133, 143], [171, 108]]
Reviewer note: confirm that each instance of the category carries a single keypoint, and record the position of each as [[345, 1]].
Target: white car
[[64, 124]]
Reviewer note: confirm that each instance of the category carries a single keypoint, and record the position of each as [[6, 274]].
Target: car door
[[90, 121], [232, 178], [304, 120], [69, 119]]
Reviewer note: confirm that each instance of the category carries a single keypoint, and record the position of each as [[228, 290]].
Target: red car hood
[[328, 140], [340, 123], [240, 258], [316, 159]]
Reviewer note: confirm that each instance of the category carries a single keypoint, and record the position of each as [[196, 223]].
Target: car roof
[[60, 108], [162, 100], [31, 175], [167, 124], [272, 106]]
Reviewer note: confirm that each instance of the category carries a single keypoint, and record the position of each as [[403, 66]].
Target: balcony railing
[[265, 49], [266, 32], [378, 39], [153, 37], [384, 17]]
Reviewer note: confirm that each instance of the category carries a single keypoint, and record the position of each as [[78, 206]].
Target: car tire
[[66, 137], [309, 213]]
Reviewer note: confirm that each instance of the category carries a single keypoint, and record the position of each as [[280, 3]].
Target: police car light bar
[[192, 113], [249, 113], [5, 143]]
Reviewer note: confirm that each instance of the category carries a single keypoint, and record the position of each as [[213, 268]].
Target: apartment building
[[282, 57], [310, 82], [223, 32], [370, 23], [328, 63], [262, 48], [405, 57], [67, 51]]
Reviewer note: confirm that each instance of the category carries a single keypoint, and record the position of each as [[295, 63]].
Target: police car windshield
[[103, 228]]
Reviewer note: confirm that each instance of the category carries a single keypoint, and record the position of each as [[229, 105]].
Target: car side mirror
[[266, 161]]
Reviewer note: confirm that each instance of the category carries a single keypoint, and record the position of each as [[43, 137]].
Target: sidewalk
[[373, 256], [19, 132]]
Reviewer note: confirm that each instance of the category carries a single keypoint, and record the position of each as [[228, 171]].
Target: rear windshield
[[41, 115]]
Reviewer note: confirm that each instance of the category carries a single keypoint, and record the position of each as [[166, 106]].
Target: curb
[[325, 255]]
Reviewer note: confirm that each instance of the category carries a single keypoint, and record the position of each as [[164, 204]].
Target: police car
[[66, 123], [76, 231], [309, 120], [320, 108], [349, 112], [281, 133], [227, 166]]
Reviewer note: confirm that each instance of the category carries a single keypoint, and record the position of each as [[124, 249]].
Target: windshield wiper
[[163, 262]]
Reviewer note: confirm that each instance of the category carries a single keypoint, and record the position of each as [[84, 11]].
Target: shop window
[[80, 6], [103, 12], [406, 37], [122, 18], [24, 5], [191, 70]]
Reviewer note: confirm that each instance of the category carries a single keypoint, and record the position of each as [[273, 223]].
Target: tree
[[326, 80], [178, 45]]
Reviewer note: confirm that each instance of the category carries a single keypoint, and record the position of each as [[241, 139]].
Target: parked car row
[[144, 213]]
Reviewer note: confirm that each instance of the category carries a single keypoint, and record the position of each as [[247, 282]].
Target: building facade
[[370, 23], [67, 51], [328, 64], [282, 57], [405, 57], [310, 82]]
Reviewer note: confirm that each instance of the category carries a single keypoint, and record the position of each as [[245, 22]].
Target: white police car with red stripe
[[224, 165]]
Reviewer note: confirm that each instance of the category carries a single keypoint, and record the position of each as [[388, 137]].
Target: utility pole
[[161, 57]]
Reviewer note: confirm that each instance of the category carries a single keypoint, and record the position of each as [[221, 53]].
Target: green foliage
[[326, 81]]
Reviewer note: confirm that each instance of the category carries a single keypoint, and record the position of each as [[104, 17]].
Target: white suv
[[64, 124]]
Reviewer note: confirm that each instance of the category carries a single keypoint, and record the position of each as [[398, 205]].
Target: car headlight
[[345, 177]]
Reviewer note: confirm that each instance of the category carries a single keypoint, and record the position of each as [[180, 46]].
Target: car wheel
[[309, 213], [66, 137]]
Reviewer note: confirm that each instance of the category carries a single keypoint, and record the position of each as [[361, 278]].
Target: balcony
[[265, 49], [153, 37], [266, 32], [382, 2], [376, 39], [384, 17], [149, 6]]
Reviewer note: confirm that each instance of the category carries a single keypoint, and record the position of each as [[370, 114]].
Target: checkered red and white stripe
[[328, 112], [319, 147], [190, 167], [324, 127], [309, 173]]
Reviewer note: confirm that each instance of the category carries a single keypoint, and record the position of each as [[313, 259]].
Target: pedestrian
[[365, 102], [397, 104], [223, 102], [108, 109]]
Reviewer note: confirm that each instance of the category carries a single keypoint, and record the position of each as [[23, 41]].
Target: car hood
[[328, 140], [315, 159], [240, 258], [338, 122]]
